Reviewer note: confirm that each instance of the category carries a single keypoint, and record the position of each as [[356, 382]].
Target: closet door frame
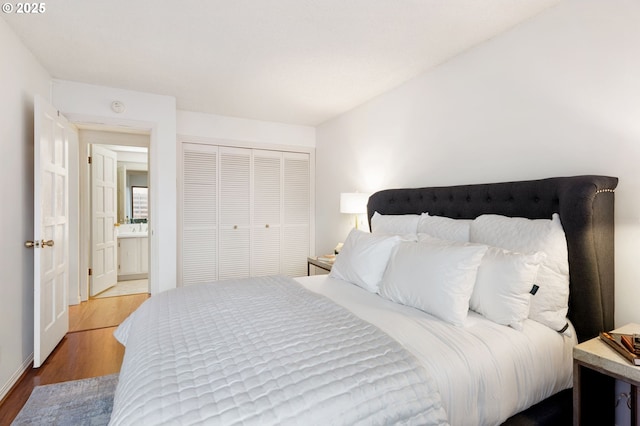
[[184, 139]]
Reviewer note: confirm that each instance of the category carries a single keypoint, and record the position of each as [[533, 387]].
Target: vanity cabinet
[[133, 257]]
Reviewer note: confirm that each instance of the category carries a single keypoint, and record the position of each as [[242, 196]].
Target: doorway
[[115, 212]]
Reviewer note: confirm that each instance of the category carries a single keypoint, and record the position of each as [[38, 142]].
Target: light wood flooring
[[88, 350]]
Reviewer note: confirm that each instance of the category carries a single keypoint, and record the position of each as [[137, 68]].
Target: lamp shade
[[353, 202]]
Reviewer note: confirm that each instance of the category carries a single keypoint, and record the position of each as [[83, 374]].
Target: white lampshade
[[353, 202]]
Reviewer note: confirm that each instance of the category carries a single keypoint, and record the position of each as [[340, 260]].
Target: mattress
[[484, 372]]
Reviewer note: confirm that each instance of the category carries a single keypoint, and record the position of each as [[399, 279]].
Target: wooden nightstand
[[598, 356], [319, 263]]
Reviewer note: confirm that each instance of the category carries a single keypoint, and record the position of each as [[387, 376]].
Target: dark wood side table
[[318, 263], [598, 356]]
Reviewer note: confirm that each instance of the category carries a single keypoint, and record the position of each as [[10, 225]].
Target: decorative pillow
[[400, 224], [364, 258], [444, 228], [549, 305], [435, 277], [503, 286]]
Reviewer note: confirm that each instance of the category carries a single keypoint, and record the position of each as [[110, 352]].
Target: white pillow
[[550, 304], [364, 258], [503, 286], [436, 278], [444, 228], [394, 224]]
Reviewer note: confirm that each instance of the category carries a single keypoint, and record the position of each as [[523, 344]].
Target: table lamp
[[354, 203]]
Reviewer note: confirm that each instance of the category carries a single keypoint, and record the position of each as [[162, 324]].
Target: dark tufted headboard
[[585, 205]]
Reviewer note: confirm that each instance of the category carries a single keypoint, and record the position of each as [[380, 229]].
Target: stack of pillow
[[506, 269]]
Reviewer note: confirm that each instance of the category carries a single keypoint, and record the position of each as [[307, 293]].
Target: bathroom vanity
[[133, 251]]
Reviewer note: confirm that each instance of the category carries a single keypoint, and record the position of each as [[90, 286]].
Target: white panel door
[[51, 226], [267, 213], [199, 214], [104, 201], [296, 222], [234, 256]]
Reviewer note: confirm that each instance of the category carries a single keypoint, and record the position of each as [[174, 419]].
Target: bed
[[323, 351]]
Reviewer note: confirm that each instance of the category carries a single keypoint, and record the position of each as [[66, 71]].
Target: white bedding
[[485, 372], [264, 351]]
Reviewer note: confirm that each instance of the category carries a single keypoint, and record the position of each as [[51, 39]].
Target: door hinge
[[89, 160], [90, 272]]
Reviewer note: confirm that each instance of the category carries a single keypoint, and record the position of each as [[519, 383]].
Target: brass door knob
[[31, 244], [47, 243]]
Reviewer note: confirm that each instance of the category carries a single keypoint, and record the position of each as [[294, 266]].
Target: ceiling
[[292, 61]]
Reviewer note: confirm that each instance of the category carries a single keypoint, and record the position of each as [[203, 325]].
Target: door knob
[[31, 244], [47, 243]]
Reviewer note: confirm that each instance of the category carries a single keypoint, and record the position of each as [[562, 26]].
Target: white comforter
[[485, 372], [264, 351]]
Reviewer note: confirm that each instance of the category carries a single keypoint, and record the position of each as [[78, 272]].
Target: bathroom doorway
[[114, 197]]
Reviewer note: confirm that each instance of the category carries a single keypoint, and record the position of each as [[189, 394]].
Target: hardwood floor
[[103, 312], [88, 351]]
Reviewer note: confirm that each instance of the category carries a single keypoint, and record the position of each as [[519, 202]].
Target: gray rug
[[79, 402]]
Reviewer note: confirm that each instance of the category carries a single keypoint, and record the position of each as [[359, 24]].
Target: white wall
[[21, 78], [241, 129], [92, 104], [556, 96]]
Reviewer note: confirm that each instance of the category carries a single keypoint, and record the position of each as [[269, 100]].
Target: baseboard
[[4, 391]]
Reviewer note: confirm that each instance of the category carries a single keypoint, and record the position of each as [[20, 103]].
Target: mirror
[[133, 183]]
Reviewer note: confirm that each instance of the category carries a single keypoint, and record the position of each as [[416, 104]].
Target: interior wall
[[556, 96], [22, 78], [87, 103], [242, 129]]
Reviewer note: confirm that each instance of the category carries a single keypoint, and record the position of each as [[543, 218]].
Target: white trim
[[16, 376], [244, 144]]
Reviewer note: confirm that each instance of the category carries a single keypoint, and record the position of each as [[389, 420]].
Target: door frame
[[81, 202]]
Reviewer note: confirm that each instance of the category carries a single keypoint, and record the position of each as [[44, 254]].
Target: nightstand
[[598, 356], [319, 263]]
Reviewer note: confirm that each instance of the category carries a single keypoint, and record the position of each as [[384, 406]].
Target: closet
[[245, 213]]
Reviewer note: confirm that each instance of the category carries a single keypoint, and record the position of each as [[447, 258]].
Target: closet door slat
[[267, 212], [234, 258], [296, 224], [199, 214]]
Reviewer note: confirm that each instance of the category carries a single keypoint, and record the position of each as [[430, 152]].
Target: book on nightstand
[[615, 340], [329, 258], [631, 342]]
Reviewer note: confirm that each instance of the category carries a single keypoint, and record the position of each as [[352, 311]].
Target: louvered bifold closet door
[[296, 218], [199, 214], [267, 213], [234, 257]]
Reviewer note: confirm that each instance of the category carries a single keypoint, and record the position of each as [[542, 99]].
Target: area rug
[[78, 402]]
